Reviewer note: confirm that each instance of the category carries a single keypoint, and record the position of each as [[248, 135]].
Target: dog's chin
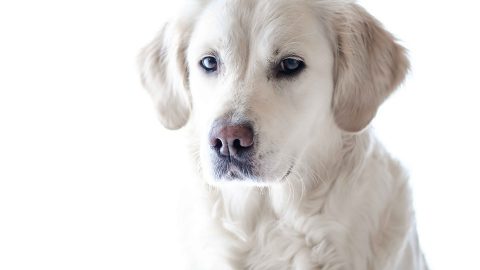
[[236, 176]]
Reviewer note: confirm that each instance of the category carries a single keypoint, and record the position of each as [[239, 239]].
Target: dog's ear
[[164, 74], [369, 66]]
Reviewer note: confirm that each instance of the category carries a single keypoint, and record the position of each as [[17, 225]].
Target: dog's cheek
[[272, 150]]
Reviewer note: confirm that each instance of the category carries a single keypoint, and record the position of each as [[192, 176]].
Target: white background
[[88, 176]]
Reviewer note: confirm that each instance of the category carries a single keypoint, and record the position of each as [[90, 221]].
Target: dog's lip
[[289, 171], [234, 171]]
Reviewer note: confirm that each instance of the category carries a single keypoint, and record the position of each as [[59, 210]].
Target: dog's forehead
[[236, 25]]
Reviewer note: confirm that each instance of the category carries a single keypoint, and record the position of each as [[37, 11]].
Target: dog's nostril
[[218, 144], [237, 144]]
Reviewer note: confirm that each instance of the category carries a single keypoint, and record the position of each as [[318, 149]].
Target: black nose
[[232, 140]]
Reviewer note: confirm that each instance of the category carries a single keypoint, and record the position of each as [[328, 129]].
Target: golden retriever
[[278, 96]]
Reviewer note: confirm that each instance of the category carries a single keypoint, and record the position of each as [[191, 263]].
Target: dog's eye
[[291, 66], [209, 64]]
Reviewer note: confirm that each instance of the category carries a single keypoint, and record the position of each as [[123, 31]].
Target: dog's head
[[263, 81]]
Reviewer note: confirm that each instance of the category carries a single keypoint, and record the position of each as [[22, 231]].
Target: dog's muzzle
[[232, 146]]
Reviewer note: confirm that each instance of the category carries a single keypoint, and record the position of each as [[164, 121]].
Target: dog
[[277, 97]]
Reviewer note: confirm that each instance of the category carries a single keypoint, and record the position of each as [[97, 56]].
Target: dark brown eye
[[291, 66], [209, 64]]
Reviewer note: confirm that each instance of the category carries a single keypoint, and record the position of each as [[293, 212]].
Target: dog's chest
[[282, 244], [263, 239]]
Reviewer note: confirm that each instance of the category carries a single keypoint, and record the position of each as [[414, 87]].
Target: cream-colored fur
[[326, 194]]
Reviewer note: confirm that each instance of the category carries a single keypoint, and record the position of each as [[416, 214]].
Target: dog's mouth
[[289, 171], [237, 170], [234, 169]]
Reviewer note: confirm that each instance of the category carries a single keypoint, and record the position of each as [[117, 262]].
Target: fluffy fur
[[326, 195]]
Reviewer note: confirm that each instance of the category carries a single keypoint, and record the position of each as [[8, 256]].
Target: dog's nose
[[232, 140]]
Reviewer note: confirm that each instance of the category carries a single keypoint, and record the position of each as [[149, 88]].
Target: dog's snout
[[232, 140]]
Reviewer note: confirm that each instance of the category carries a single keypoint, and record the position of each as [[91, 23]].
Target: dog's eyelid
[[276, 60], [211, 53], [280, 55], [292, 56]]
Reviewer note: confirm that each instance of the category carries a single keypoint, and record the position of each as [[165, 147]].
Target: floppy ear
[[369, 66], [164, 74]]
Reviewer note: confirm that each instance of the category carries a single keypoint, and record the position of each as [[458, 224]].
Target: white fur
[[346, 203]]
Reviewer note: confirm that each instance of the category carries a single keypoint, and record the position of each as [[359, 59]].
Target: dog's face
[[264, 81], [258, 89]]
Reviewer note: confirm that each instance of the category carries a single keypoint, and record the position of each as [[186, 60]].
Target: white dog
[[278, 96]]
